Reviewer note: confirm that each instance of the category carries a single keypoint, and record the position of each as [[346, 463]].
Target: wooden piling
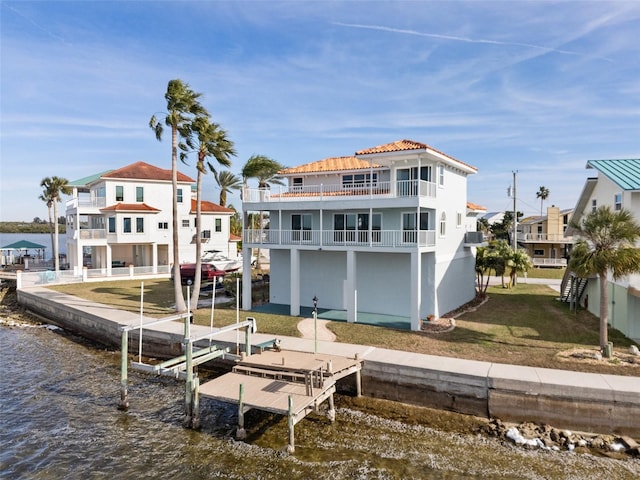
[[124, 358]]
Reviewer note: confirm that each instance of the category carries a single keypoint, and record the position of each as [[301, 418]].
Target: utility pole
[[515, 213]]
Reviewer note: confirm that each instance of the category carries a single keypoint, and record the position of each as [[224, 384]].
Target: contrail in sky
[[458, 39]]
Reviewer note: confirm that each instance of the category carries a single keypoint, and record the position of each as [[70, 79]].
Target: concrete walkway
[[307, 328]]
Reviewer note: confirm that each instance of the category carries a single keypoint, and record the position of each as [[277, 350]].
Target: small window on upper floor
[[139, 224], [441, 175], [218, 224], [458, 219], [119, 193], [139, 194], [617, 201], [594, 205], [185, 223], [163, 225], [443, 224], [126, 224], [112, 224], [297, 184], [180, 197]]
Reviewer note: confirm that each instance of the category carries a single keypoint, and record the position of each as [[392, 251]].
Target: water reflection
[[60, 419]]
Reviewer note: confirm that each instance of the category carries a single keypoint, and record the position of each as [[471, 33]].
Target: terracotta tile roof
[[234, 238], [332, 164], [145, 171], [209, 207], [476, 207], [129, 207], [406, 145]]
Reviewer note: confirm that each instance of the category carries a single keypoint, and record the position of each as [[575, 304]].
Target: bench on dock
[[268, 344]]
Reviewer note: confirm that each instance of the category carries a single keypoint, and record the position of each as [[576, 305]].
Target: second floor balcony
[[544, 237], [337, 238], [397, 189]]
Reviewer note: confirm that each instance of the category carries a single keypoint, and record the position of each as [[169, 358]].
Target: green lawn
[[525, 325]]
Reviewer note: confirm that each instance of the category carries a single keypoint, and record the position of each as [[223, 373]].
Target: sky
[[536, 88]]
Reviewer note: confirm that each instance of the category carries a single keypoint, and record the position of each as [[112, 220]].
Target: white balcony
[[544, 238], [403, 188], [330, 238], [86, 202], [90, 234], [549, 262]]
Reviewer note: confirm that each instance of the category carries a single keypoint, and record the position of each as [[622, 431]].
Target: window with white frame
[[126, 224], [594, 205], [179, 195], [441, 175], [119, 193], [458, 219], [163, 225], [359, 180], [139, 224], [354, 227], [140, 194], [443, 224], [297, 184], [112, 224], [185, 223], [218, 224], [538, 253], [617, 201]]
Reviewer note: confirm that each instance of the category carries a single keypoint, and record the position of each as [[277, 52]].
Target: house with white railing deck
[[543, 237], [385, 231], [617, 185], [120, 219]]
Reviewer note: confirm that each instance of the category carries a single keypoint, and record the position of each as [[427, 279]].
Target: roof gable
[[209, 207], [332, 164], [145, 171], [623, 172], [408, 146]]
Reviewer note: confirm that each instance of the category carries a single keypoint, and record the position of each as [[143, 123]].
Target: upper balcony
[[340, 238], [297, 193], [85, 204], [544, 238]]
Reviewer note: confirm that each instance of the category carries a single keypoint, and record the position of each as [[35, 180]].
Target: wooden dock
[[287, 383]]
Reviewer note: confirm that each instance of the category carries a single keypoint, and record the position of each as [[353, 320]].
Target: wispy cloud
[[439, 36]]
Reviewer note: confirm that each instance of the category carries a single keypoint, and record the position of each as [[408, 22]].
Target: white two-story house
[[383, 232], [618, 186], [123, 218]]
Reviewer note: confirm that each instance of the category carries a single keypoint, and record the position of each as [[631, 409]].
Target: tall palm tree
[[266, 170], [607, 246], [212, 142], [183, 106], [542, 194], [54, 187], [227, 182]]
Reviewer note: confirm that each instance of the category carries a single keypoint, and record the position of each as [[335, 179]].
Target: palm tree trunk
[[195, 293], [56, 259], [177, 283], [604, 311]]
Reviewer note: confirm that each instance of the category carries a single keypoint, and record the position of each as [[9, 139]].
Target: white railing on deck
[[50, 277], [401, 188], [543, 237], [375, 238], [549, 262]]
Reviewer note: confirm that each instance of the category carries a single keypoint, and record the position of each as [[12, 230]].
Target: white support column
[[154, 257], [351, 287], [109, 255], [416, 288], [295, 282], [246, 278]]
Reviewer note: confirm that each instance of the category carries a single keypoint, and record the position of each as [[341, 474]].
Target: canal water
[[59, 420]]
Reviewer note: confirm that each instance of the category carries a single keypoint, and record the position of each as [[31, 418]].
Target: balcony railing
[[401, 188], [543, 237], [90, 234], [97, 202], [549, 262], [318, 238]]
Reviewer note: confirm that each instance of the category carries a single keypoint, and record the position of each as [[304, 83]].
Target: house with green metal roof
[[617, 185]]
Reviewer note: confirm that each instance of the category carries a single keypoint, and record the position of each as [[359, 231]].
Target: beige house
[[543, 237]]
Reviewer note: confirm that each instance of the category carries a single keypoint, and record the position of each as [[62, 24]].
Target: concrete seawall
[[569, 400]]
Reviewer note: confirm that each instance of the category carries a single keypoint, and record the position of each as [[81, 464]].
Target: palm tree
[[266, 170], [182, 107], [227, 182], [212, 142], [54, 187], [519, 262], [235, 222], [542, 194], [607, 246]]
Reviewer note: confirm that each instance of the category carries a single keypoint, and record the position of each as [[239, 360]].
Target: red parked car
[[208, 271]]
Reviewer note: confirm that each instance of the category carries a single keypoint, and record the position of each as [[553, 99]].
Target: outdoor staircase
[[572, 287]]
